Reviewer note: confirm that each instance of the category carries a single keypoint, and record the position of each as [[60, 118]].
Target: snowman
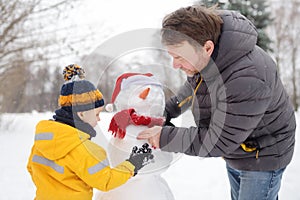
[[139, 101]]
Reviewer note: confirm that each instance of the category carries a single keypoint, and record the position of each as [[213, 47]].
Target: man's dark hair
[[195, 24]]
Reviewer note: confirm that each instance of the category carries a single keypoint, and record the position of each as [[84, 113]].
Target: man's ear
[[80, 115], [209, 47]]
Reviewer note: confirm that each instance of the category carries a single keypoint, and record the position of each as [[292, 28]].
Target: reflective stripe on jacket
[[65, 164]]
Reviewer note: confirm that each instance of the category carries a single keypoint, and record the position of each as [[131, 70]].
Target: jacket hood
[[238, 38], [54, 139]]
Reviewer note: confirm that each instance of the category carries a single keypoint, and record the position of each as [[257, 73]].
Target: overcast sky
[[133, 13], [117, 16], [101, 20]]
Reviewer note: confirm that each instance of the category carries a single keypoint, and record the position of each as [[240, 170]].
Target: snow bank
[[188, 177]]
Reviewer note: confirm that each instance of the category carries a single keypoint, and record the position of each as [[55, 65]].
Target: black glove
[[168, 121], [140, 157]]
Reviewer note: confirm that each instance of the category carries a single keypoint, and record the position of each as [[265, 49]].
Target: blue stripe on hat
[[85, 107], [76, 87]]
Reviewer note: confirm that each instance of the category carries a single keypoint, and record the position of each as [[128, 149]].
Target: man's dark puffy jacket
[[241, 98]]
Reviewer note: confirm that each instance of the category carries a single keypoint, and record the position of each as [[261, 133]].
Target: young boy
[[64, 162]]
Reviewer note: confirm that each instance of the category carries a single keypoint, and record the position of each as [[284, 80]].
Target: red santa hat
[[128, 79]]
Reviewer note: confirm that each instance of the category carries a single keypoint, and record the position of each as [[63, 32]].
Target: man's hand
[[152, 135]]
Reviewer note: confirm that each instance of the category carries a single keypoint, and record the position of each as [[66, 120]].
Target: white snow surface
[[188, 177]]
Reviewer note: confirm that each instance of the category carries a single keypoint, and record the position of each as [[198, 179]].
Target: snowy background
[[188, 177]]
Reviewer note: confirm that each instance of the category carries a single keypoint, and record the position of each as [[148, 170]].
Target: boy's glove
[[140, 157]]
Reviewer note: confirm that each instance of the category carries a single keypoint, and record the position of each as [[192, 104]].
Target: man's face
[[187, 58]]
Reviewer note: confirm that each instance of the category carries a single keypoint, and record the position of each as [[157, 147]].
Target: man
[[239, 104]]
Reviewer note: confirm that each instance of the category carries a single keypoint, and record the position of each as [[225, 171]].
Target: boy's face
[[91, 116]]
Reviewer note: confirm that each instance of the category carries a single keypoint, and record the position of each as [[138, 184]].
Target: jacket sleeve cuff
[[166, 138], [126, 166]]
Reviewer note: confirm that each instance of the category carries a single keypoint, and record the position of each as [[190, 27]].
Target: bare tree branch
[[53, 6]]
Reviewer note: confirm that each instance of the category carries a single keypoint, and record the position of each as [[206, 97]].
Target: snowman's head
[[143, 92]]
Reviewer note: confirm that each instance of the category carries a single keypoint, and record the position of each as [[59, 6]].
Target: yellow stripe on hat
[[80, 99]]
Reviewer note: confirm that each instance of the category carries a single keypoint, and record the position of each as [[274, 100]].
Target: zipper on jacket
[[256, 155], [191, 97], [195, 91]]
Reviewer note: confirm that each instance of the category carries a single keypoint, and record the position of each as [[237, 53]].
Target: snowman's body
[[148, 183]]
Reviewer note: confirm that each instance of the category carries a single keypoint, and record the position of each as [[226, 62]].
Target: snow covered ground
[[188, 177]]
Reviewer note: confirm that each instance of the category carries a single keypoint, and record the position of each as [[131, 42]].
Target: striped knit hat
[[76, 93]]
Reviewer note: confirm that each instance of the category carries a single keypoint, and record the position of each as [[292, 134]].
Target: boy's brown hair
[[196, 24]]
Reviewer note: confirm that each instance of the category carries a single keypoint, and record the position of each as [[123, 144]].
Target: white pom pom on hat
[[109, 107]]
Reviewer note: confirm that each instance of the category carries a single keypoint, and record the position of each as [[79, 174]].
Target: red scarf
[[122, 119]]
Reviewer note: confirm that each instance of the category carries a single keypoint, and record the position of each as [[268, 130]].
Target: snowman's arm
[[179, 103]]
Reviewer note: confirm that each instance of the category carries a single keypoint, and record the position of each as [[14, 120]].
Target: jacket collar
[[73, 120]]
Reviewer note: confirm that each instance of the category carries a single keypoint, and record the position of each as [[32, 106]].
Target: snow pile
[[189, 177]]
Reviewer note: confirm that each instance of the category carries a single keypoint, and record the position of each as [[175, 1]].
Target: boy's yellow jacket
[[65, 164]]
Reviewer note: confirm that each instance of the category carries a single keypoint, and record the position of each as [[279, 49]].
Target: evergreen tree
[[256, 10], [259, 13]]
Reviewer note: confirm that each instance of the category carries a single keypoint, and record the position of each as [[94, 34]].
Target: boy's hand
[[140, 157]]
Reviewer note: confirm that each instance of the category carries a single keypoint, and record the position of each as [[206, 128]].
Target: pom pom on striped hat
[[78, 94]]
